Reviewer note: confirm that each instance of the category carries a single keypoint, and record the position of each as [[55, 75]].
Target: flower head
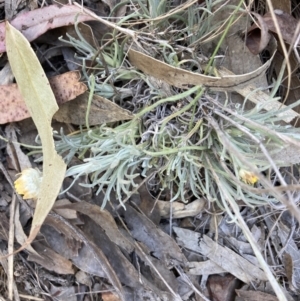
[[28, 184], [248, 177]]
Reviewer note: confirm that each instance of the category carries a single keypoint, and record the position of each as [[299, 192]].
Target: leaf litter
[[147, 247]]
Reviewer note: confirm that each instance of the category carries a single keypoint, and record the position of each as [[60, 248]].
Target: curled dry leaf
[[181, 78], [34, 23], [258, 37], [287, 25], [13, 108]]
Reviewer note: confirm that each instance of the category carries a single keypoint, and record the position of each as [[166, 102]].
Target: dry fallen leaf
[[224, 258], [34, 23], [258, 38], [102, 111], [67, 86], [181, 78], [260, 97], [287, 25], [64, 212], [70, 242], [51, 260], [255, 295], [207, 267], [41, 103], [162, 246], [13, 108], [103, 218], [222, 287]]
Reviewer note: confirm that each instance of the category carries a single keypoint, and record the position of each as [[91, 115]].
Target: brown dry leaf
[[95, 254], [116, 11], [51, 260], [74, 245], [124, 269], [102, 111], [104, 219], [255, 295], [222, 256], [207, 267], [94, 216], [159, 243], [34, 23], [181, 78], [288, 264], [64, 212], [284, 5], [67, 86], [4, 226], [222, 288], [13, 108], [62, 293], [109, 296], [146, 203], [257, 38], [292, 93], [237, 58], [84, 278], [287, 24], [292, 253]]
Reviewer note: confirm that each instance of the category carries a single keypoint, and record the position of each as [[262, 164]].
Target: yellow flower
[[248, 177], [29, 183]]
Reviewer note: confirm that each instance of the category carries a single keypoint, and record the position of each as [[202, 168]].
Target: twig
[[10, 270], [4, 264], [31, 297], [126, 31]]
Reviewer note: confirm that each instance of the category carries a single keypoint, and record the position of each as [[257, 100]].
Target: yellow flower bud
[[248, 177]]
